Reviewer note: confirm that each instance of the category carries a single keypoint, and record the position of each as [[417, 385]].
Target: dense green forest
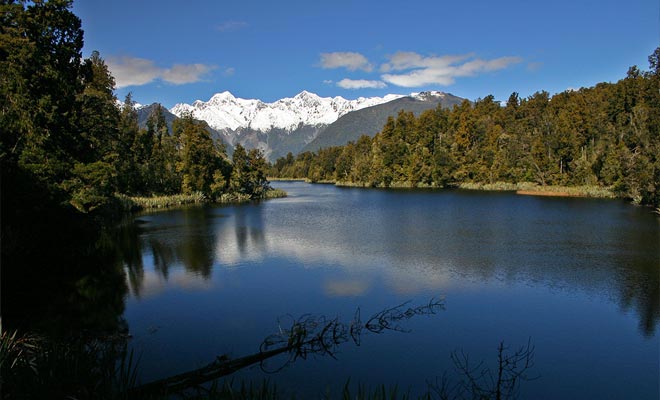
[[607, 136], [68, 151]]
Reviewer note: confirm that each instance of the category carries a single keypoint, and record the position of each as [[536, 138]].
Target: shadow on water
[[249, 227], [187, 238], [71, 284], [639, 287], [184, 237]]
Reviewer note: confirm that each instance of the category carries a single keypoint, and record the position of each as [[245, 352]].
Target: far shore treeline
[[607, 136]]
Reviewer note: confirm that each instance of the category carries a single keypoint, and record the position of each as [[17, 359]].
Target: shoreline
[[548, 193], [520, 188], [137, 204], [533, 189]]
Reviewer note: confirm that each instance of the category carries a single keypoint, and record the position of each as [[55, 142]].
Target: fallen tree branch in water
[[306, 335]]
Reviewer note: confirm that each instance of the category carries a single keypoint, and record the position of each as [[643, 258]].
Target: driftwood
[[306, 335], [217, 369]]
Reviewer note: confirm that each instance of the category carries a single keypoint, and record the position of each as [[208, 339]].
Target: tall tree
[[200, 157], [94, 173]]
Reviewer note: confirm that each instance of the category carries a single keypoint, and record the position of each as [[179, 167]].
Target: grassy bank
[[392, 185], [271, 179], [139, 203], [522, 188], [529, 188]]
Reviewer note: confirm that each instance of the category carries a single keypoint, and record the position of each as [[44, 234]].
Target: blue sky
[[180, 51]]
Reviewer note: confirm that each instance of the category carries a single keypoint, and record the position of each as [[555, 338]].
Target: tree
[[258, 183], [199, 157], [162, 160], [240, 171], [41, 69], [94, 174], [248, 174], [128, 174]]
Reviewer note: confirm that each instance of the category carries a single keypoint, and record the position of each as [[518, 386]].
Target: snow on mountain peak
[[223, 111], [222, 97], [428, 94], [120, 105]]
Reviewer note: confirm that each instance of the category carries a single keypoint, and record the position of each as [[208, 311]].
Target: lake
[[577, 278]]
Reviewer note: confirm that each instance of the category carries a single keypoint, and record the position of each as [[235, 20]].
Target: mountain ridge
[[370, 120], [291, 124], [224, 111]]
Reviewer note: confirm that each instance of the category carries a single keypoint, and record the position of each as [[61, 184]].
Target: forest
[[70, 151], [606, 136], [72, 157]]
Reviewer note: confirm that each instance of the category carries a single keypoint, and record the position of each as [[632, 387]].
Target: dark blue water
[[579, 278]]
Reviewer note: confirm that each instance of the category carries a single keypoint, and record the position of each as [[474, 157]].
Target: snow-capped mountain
[[136, 106], [226, 112], [289, 124]]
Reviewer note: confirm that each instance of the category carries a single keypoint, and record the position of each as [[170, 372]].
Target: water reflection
[[346, 287], [168, 241], [71, 285], [579, 276], [415, 243], [249, 228]]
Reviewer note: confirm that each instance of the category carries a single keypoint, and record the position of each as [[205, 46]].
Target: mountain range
[[143, 113], [304, 122], [369, 121]]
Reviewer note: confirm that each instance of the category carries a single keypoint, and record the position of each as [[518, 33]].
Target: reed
[[233, 197], [137, 203], [36, 367], [570, 191], [144, 203], [529, 188], [496, 186], [274, 179], [275, 194]]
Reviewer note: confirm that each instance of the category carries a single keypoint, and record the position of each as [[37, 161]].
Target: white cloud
[[360, 84], [327, 81], [180, 74], [349, 60], [229, 26], [134, 71], [417, 70]]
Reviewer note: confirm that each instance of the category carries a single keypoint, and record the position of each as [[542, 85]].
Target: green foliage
[[67, 150], [91, 185], [248, 174], [135, 203], [35, 367], [607, 136], [199, 158]]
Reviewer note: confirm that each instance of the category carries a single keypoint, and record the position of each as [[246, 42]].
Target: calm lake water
[[580, 278]]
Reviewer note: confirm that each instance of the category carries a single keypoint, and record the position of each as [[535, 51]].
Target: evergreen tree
[[240, 172], [199, 157], [128, 173], [94, 174], [258, 184]]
